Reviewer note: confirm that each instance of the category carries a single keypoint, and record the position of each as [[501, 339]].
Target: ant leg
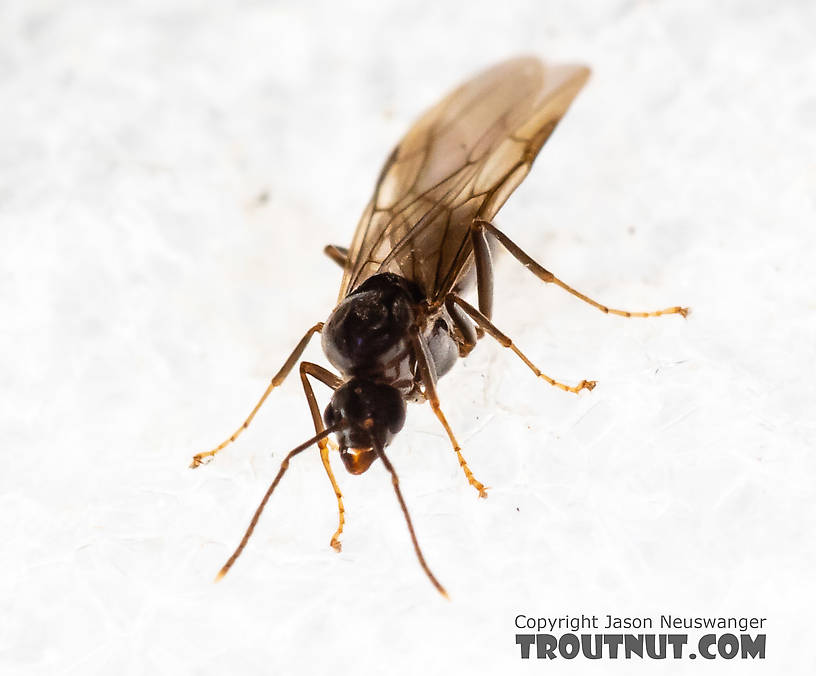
[[284, 466], [490, 329], [466, 340], [484, 269], [327, 378], [338, 254], [279, 377], [547, 276], [428, 376]]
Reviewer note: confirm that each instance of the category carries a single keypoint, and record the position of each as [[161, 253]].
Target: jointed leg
[[490, 329], [279, 377], [328, 378], [338, 254], [466, 329], [484, 270], [428, 375], [284, 466], [547, 276]]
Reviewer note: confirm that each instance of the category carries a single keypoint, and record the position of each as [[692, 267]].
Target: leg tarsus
[[546, 276], [327, 378], [472, 480], [280, 376], [505, 341], [424, 364], [341, 510]]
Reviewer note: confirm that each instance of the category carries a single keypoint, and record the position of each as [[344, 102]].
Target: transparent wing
[[460, 161]]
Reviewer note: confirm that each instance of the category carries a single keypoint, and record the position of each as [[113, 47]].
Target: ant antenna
[[284, 466], [395, 481]]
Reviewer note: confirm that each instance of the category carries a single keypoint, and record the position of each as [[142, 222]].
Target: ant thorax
[[369, 334]]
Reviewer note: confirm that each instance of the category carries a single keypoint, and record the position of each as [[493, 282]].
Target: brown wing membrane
[[461, 160]]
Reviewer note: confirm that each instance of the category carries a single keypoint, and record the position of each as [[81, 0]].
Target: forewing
[[460, 161]]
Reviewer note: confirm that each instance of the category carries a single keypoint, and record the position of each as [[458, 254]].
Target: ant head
[[373, 413]]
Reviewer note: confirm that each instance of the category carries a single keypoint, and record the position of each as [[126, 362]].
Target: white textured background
[[147, 295]]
